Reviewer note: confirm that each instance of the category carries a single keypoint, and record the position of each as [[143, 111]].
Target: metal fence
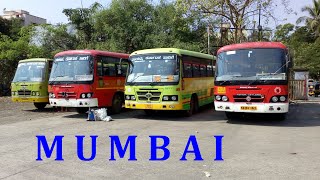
[[298, 90]]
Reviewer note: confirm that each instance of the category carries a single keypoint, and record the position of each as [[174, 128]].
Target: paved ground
[[254, 148]]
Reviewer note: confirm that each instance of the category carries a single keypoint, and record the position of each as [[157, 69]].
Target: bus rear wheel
[[193, 107], [117, 102], [40, 105]]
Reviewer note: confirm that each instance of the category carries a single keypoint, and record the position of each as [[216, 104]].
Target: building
[[26, 17]]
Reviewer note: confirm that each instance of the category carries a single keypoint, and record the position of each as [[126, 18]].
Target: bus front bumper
[[154, 106], [92, 102], [252, 107], [30, 99]]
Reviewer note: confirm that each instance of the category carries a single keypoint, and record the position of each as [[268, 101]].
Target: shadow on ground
[[300, 115]]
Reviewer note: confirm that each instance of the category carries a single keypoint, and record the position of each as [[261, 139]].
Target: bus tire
[[82, 110], [117, 103], [193, 103], [40, 105]]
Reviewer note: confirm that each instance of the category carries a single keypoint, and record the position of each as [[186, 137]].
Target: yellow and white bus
[[169, 79]]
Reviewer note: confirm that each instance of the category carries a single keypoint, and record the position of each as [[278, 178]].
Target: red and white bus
[[88, 78], [252, 78]]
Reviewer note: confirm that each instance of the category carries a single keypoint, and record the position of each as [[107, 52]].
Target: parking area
[[256, 147]]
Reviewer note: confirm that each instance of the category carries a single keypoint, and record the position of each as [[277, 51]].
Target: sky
[[52, 9]]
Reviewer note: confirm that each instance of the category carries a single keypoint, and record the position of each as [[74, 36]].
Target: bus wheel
[[191, 111], [40, 105], [149, 112], [117, 102], [82, 110]]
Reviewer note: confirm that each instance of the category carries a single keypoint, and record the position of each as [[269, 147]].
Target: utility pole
[[208, 31], [259, 26]]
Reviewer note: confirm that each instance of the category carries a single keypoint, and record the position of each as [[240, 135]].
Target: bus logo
[[148, 95], [248, 98]]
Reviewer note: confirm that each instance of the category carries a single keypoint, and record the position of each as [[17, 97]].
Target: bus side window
[[203, 71], [187, 71], [209, 71], [99, 67], [195, 70], [124, 69], [109, 66]]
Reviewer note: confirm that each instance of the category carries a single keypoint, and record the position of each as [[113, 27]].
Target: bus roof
[[251, 45], [92, 52], [35, 60], [173, 50]]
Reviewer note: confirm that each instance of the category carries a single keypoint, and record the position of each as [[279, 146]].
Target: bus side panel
[[202, 87], [106, 87]]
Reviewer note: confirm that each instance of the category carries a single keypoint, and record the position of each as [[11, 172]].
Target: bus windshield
[[72, 68], [251, 64], [153, 68], [30, 72]]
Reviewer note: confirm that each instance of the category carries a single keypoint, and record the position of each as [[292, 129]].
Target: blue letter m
[[116, 141], [43, 141]]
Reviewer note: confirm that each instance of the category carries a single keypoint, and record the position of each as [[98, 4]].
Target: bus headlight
[[12, 93], [133, 98], [173, 98], [218, 98], [274, 99], [33, 93], [38, 93], [165, 98], [89, 95], [224, 98], [83, 95], [282, 98], [127, 97]]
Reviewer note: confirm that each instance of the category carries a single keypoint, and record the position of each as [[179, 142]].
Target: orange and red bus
[[88, 78], [252, 78]]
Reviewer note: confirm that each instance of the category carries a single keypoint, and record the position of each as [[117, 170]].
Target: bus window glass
[[251, 64], [72, 68], [154, 68], [30, 72]]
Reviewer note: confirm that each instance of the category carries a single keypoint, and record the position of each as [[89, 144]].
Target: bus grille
[[248, 98], [148, 95], [24, 92], [67, 95]]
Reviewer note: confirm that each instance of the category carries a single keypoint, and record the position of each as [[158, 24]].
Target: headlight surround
[[274, 99], [218, 97], [224, 98]]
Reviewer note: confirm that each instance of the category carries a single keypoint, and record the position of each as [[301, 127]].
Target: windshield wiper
[[232, 78], [131, 82], [153, 83], [52, 82]]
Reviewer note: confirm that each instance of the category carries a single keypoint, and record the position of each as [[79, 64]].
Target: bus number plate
[[148, 106], [252, 108]]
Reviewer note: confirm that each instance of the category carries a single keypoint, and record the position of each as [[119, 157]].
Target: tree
[[83, 20], [235, 12], [313, 21], [283, 32]]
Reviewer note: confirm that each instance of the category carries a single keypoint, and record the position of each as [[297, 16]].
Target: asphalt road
[[253, 148]]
